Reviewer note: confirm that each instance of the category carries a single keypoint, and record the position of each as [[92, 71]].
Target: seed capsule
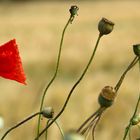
[[73, 136], [48, 112], [107, 96], [136, 49], [73, 10], [105, 26], [136, 120]]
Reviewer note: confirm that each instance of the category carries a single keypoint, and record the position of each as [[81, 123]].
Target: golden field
[[37, 28]]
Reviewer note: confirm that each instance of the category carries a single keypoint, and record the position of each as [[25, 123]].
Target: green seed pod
[[48, 112], [136, 49], [136, 119], [73, 10], [107, 96], [105, 26], [73, 136]]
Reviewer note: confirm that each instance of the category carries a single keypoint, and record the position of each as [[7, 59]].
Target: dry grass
[[37, 28]]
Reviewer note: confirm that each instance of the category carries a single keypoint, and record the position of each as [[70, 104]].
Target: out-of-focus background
[[37, 27]]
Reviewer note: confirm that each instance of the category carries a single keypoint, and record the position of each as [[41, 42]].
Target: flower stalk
[[101, 27], [73, 12], [19, 124]]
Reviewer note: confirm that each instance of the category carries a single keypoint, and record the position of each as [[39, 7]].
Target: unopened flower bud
[[136, 49], [107, 96], [136, 119], [73, 136], [105, 26], [48, 112], [73, 10]]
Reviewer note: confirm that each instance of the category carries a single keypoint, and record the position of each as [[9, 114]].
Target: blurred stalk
[[59, 127], [136, 108], [105, 27], [73, 12], [130, 123], [71, 91], [131, 65], [19, 124]]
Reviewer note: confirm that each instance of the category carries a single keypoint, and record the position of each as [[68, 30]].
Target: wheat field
[[37, 27]]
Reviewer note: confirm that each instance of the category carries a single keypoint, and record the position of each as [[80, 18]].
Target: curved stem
[[20, 123], [130, 123], [54, 76], [93, 130], [135, 60], [46, 134], [59, 127], [89, 126], [87, 120], [71, 91]]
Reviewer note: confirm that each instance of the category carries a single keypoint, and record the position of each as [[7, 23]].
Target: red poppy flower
[[10, 62]]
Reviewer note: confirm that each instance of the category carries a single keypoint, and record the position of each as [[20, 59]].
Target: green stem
[[71, 91], [59, 127], [46, 134], [135, 60], [54, 76], [87, 120], [20, 123], [136, 108], [130, 123]]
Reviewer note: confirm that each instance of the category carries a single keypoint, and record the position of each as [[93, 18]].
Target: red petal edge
[[10, 62]]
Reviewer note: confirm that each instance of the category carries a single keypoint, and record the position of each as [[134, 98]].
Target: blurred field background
[[37, 27]]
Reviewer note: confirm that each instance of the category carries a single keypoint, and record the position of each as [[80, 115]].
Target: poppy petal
[[10, 62]]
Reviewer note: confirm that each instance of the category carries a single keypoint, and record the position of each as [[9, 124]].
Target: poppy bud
[[105, 26], [136, 119], [73, 10], [107, 96], [48, 112], [136, 49], [73, 136]]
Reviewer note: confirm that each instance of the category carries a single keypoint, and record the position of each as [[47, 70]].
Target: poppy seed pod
[[107, 96], [73, 136], [73, 10], [105, 26], [136, 119], [48, 112], [136, 49]]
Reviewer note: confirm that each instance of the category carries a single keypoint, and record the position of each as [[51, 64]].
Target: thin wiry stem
[[55, 74], [93, 130], [135, 60], [87, 120], [75, 85], [46, 133], [19, 124], [89, 125], [59, 127], [92, 123], [130, 123], [136, 108]]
